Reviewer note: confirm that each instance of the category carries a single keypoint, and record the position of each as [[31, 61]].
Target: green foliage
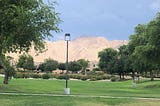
[[26, 22], [45, 76], [96, 69], [114, 78], [74, 66], [63, 76], [106, 57], [35, 75], [83, 63], [48, 65], [41, 67], [21, 75], [26, 62], [62, 66]]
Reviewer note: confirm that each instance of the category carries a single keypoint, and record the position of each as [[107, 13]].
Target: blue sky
[[112, 19]]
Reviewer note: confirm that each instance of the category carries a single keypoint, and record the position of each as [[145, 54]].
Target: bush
[[75, 76], [93, 79], [99, 78], [21, 75], [18, 75], [96, 69], [36, 76], [45, 76], [106, 77], [84, 78], [61, 77], [114, 78]]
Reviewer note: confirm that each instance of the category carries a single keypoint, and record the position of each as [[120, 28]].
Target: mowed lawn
[[85, 90]]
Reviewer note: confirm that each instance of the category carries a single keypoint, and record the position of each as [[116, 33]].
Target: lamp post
[[67, 38]]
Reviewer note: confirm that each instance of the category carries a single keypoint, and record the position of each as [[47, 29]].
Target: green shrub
[[16, 75], [93, 79], [61, 77], [75, 76], [106, 77], [45, 76], [36, 76], [83, 78], [99, 78], [21, 75], [96, 69], [114, 78]]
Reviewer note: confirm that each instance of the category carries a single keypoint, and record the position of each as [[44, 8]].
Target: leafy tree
[[26, 62], [107, 56], [62, 66], [50, 65], [25, 23], [74, 66], [146, 44], [41, 67], [84, 64], [9, 69]]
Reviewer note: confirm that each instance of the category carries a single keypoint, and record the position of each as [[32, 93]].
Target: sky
[[112, 19]]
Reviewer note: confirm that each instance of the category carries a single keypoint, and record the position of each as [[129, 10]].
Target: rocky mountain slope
[[80, 48]]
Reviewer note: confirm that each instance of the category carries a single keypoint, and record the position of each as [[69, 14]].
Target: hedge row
[[63, 76]]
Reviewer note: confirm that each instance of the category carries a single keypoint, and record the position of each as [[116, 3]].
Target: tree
[[25, 23], [41, 67], [62, 66], [107, 56], [9, 70], [50, 65], [146, 44], [84, 64], [74, 66], [26, 62]]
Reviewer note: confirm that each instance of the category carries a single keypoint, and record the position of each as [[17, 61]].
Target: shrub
[[36, 76], [83, 78], [99, 78], [106, 77], [61, 77], [75, 76], [18, 75], [93, 79], [45, 76], [21, 75], [96, 69], [114, 78]]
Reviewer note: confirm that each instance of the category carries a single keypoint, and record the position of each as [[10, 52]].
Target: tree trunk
[[138, 75], [123, 74], [151, 75], [133, 75], [6, 76], [120, 75]]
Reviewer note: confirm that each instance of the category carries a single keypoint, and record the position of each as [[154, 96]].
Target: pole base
[[67, 91]]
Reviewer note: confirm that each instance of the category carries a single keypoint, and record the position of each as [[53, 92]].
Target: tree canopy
[[26, 62], [25, 23]]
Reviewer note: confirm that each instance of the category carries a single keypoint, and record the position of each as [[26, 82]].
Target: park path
[[83, 96]]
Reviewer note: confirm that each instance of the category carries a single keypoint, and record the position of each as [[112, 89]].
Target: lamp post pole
[[67, 90], [67, 66]]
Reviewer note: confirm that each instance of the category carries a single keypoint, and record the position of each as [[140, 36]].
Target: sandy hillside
[[80, 48]]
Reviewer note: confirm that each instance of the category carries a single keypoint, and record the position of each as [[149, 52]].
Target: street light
[[67, 38]]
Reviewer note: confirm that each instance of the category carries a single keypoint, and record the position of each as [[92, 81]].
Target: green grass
[[144, 89], [71, 101]]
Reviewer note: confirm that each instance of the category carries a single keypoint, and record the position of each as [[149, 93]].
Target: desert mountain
[[80, 48]]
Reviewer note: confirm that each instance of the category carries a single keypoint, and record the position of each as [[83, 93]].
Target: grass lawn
[[144, 89]]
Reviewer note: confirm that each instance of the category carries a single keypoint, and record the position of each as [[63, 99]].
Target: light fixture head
[[67, 37]]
